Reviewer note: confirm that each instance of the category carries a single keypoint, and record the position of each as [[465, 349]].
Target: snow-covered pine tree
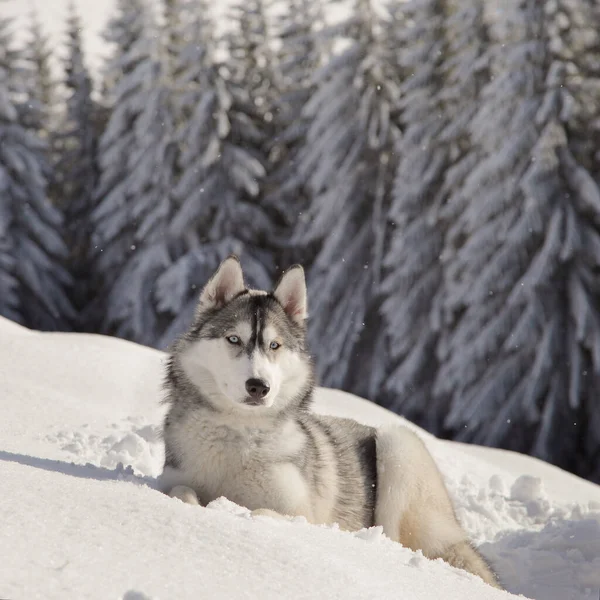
[[76, 171], [444, 51], [177, 18], [32, 280], [9, 285], [40, 113], [218, 199], [250, 74], [189, 45], [522, 366], [131, 310], [128, 78], [301, 53], [346, 165]]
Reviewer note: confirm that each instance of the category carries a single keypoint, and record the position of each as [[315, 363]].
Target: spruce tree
[[444, 53], [523, 355], [132, 310], [301, 54], [32, 279], [129, 76], [346, 166], [77, 169], [218, 200], [40, 113]]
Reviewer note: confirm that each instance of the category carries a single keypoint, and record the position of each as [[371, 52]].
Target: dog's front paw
[[267, 512], [185, 494]]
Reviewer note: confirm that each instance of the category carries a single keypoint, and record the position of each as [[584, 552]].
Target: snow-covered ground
[[80, 518]]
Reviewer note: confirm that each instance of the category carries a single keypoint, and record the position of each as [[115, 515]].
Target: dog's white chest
[[252, 465]]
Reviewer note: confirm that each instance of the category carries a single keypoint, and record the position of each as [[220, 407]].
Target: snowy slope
[[76, 523]]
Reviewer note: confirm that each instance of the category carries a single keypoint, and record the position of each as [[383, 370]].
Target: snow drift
[[80, 450]]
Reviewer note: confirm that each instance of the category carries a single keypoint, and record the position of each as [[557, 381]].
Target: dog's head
[[246, 349]]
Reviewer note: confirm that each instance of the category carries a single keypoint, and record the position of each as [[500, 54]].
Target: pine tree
[[218, 206], [77, 169], [151, 170], [190, 44], [301, 53], [131, 306], [128, 78], [32, 280], [250, 77], [346, 166], [523, 356], [444, 52], [41, 109]]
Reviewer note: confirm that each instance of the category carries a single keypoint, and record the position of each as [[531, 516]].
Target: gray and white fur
[[240, 385]]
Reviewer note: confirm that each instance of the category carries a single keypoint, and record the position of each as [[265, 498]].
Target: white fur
[[185, 494], [413, 505], [292, 438], [295, 498], [208, 365], [270, 334], [243, 330], [267, 512], [233, 458]]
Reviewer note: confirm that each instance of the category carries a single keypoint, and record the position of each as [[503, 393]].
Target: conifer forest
[[433, 164]]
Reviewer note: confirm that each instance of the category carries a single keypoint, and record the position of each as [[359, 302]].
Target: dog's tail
[[413, 505]]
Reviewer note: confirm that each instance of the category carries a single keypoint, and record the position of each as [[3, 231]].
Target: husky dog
[[240, 385]]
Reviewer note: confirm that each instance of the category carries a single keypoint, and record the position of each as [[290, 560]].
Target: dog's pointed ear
[[223, 286], [290, 291]]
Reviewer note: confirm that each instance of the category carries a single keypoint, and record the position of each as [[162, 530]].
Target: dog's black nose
[[257, 388]]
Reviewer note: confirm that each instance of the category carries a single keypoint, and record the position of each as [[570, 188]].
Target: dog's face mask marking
[[247, 347]]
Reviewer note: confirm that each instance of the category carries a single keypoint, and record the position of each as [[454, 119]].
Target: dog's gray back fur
[[356, 456]]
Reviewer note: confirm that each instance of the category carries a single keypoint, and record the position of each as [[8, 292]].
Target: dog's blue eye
[[233, 339], [274, 345]]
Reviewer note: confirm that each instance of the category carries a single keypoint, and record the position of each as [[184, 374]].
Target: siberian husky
[[240, 384]]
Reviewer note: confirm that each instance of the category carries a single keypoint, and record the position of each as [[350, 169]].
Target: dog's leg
[[267, 512], [413, 505], [185, 494], [464, 556]]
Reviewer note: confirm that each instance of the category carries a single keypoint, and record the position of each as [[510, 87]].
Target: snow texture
[[81, 449]]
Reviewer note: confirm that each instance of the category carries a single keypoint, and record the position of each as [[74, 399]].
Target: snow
[[81, 517]]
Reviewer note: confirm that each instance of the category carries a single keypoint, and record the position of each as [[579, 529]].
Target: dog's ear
[[290, 291], [223, 286]]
